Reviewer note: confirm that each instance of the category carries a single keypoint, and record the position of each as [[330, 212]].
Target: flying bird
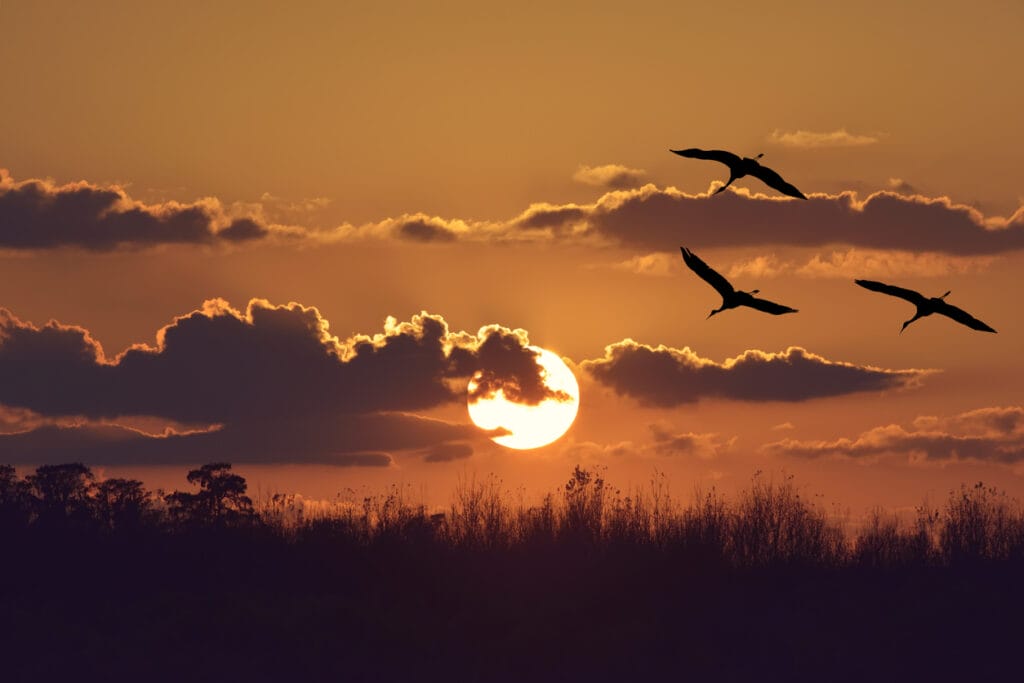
[[742, 166], [926, 306], [731, 297]]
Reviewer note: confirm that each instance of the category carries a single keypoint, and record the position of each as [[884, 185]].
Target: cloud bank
[[270, 384], [39, 215], [665, 377], [988, 434]]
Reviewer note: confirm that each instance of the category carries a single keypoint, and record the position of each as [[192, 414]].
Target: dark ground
[[242, 604]]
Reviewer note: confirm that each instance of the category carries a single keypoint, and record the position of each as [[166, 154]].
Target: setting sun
[[530, 426]]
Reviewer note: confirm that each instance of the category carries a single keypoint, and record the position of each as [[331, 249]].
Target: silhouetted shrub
[[980, 523], [883, 543], [772, 524]]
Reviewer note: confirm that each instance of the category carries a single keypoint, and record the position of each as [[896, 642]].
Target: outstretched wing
[[774, 180], [769, 306], [908, 294], [707, 273], [963, 317], [727, 158]]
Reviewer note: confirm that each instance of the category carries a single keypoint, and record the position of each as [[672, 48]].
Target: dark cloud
[[669, 443], [221, 365], [651, 219], [278, 384], [363, 460], [665, 443], [425, 230], [37, 214], [659, 219], [666, 377], [549, 216], [447, 452], [351, 440], [243, 230], [987, 434], [503, 361]]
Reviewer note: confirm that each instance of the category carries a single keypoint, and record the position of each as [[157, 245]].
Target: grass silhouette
[[108, 581]]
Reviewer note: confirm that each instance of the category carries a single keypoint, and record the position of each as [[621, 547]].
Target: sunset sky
[[286, 235]]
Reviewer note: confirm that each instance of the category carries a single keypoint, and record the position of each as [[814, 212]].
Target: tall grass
[[772, 522]]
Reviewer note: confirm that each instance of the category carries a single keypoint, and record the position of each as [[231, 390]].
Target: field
[[107, 581]]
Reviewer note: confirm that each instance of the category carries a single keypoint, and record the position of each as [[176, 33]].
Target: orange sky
[[386, 160]]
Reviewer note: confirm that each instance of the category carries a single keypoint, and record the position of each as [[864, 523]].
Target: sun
[[530, 426]]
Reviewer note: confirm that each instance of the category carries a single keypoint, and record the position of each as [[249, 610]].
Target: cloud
[[346, 441], [857, 263], [988, 434], [665, 377], [873, 263], [447, 452], [650, 219], [243, 230], [665, 443], [610, 176], [763, 266], [39, 214], [425, 229], [808, 139], [276, 382], [219, 364], [900, 186], [690, 444], [654, 265]]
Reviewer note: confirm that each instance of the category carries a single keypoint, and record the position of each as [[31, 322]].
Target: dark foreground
[[569, 596]]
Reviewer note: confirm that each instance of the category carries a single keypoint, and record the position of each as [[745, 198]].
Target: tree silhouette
[[221, 497], [15, 509], [61, 493], [121, 503]]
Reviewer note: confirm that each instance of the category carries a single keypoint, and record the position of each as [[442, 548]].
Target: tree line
[[70, 496]]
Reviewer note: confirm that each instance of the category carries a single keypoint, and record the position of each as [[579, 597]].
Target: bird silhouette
[[731, 297], [926, 306], [742, 166]]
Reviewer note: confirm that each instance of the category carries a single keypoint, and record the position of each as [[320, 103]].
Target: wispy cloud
[[852, 263], [764, 266], [810, 139], [610, 176], [988, 434], [658, 264]]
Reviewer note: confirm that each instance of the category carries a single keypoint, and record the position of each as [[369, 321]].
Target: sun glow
[[530, 426]]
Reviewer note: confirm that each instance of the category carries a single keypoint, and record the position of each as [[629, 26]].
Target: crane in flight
[[926, 306], [742, 166], [731, 297]]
